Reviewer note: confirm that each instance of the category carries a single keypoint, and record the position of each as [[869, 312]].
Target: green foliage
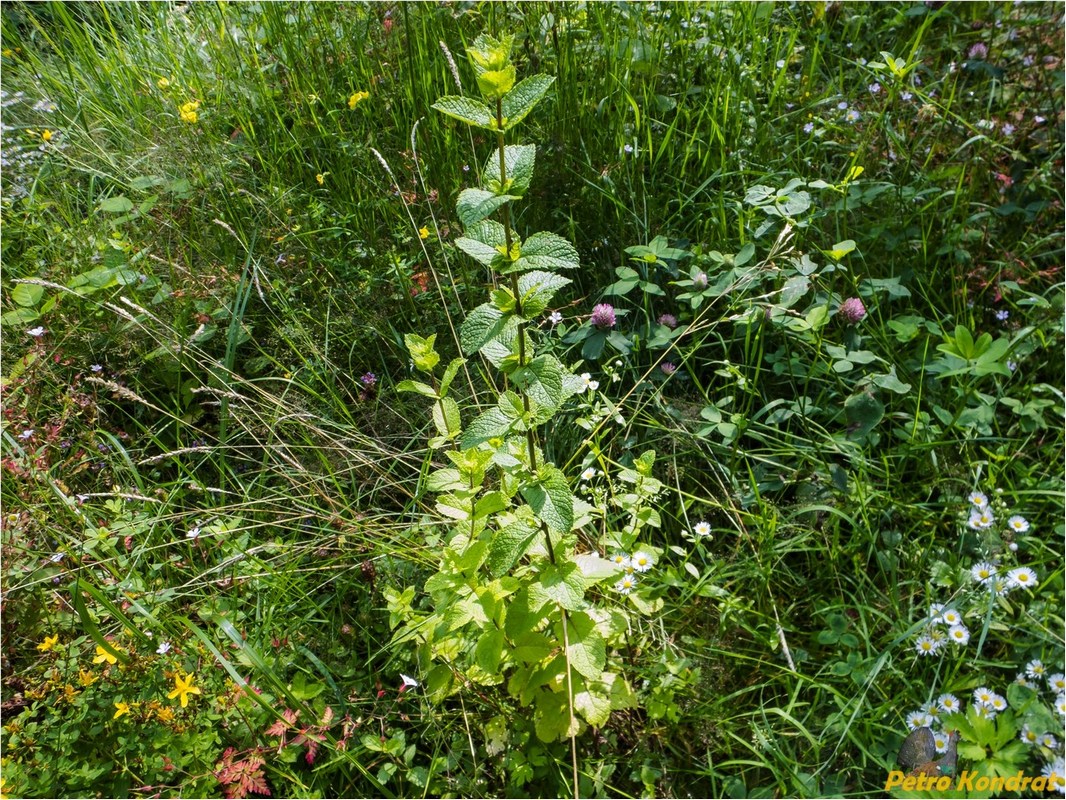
[[511, 595]]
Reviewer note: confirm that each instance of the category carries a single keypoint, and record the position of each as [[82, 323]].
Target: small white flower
[[985, 712], [1023, 680], [948, 703], [959, 634], [26, 434], [1049, 741], [978, 500], [1060, 705], [983, 696], [622, 560], [1056, 774], [163, 649], [905, 95], [918, 719], [935, 612], [983, 572], [1057, 682], [702, 529], [940, 740], [55, 558], [589, 474], [408, 681], [926, 645], [193, 532], [1035, 668], [586, 378], [642, 562], [980, 519], [998, 703], [626, 584], [37, 332], [555, 318], [1018, 524], [97, 368], [1029, 736], [780, 64], [1022, 577], [951, 617]]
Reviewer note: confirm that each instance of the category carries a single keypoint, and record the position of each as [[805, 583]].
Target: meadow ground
[[771, 479]]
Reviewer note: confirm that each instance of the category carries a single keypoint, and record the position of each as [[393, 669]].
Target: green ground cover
[[790, 350]]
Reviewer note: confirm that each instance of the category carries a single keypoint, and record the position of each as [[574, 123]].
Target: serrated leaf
[[449, 375], [455, 507], [469, 111], [482, 325], [509, 545], [531, 647], [518, 102], [562, 585], [444, 480], [119, 204], [542, 382], [446, 418], [593, 703], [481, 240], [551, 500], [417, 387], [489, 650], [495, 83], [546, 251], [587, 652], [475, 205], [518, 162], [536, 290], [489, 425]]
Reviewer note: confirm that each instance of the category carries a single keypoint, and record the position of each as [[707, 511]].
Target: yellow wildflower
[[48, 643], [8, 52], [123, 708], [423, 232], [162, 83], [188, 111], [357, 98], [165, 715], [86, 678], [183, 688], [46, 135], [103, 655], [320, 178], [69, 693]]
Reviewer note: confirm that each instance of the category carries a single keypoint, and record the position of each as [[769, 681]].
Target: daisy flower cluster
[[639, 562], [928, 716], [990, 574]]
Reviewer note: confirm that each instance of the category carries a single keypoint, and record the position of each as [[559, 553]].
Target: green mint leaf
[[489, 650], [562, 585], [546, 251], [523, 97], [482, 240], [551, 500], [446, 418], [593, 703], [587, 651], [495, 83], [475, 205], [542, 380], [489, 425], [509, 545], [489, 53], [416, 386], [469, 111], [444, 480], [449, 375], [518, 161], [422, 351], [482, 325], [537, 290]]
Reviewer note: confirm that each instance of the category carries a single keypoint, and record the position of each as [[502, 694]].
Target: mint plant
[[514, 599]]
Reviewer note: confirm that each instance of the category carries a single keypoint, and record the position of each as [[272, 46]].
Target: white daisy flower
[[926, 645], [1029, 736], [702, 529], [998, 703], [940, 739], [935, 613], [1018, 524], [983, 572], [951, 617], [1057, 682], [626, 584], [1049, 741], [918, 719], [980, 519], [1023, 680], [1055, 772], [948, 703], [1035, 668], [589, 474], [978, 500], [959, 634], [642, 562], [1060, 705], [983, 696], [1022, 577], [621, 559]]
